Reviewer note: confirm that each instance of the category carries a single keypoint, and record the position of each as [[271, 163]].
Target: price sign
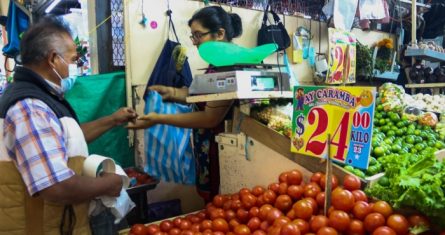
[[346, 113], [342, 57]]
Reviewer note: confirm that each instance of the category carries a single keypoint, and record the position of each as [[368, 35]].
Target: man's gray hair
[[42, 38]]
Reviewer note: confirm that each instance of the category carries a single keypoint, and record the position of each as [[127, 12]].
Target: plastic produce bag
[[371, 9], [344, 13]]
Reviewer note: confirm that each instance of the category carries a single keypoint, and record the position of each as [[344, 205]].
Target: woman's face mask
[[67, 83]]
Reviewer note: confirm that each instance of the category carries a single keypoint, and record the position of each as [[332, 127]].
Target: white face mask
[[67, 83]]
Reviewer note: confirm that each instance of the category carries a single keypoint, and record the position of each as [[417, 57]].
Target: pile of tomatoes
[[291, 207]]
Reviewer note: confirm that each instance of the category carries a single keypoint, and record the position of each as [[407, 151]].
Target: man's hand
[[115, 185], [167, 92], [144, 122], [124, 115]]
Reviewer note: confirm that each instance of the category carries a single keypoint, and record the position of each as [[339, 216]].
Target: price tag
[[342, 57], [344, 113]]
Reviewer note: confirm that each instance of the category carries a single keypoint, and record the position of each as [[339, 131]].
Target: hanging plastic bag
[[168, 149], [371, 9], [16, 24], [344, 13]]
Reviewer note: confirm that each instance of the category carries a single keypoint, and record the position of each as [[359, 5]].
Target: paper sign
[[342, 57], [346, 113]]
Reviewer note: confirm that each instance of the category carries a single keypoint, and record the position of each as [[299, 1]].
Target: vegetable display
[[292, 207], [413, 181]]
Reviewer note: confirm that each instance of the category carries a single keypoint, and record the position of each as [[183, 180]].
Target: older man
[[42, 190]]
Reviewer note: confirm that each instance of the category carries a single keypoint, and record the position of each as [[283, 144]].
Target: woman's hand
[[144, 122], [167, 92], [171, 93]]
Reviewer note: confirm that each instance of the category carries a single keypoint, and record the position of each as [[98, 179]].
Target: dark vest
[[28, 84]]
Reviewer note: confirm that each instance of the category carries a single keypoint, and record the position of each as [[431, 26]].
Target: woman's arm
[[172, 94], [213, 114]]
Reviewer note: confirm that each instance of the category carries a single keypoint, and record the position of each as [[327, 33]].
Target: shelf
[[392, 76], [425, 85], [409, 2], [426, 54], [240, 96]]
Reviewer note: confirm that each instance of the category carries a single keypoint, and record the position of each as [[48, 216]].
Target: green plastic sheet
[[227, 54], [96, 96]]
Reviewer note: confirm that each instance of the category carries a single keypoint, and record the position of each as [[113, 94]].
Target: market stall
[[372, 149]]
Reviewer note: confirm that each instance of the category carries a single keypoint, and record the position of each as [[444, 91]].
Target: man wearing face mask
[[41, 187]]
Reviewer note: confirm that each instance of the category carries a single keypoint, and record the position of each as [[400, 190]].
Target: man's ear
[[51, 58]]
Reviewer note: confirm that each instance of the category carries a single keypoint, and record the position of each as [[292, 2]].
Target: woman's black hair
[[215, 17]]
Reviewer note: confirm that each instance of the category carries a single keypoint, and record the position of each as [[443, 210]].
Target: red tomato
[[242, 230], [311, 190], [327, 231], [280, 221], [373, 221], [258, 190], [274, 187], [234, 196], [218, 201], [351, 182], [384, 230], [186, 232], [196, 228], [220, 225], [282, 189], [313, 203], [317, 222], [206, 224], [138, 229], [236, 204], [166, 225], [398, 223], [254, 212], [217, 213], [283, 177], [174, 231], [383, 208], [264, 210], [254, 223], [303, 209], [248, 200], [269, 196], [339, 220], [418, 220], [361, 210], [295, 192], [283, 203], [195, 219], [218, 233], [244, 191], [356, 227], [177, 222], [227, 204], [289, 229], [316, 177], [273, 214], [242, 215], [359, 195], [186, 225], [201, 215], [260, 201], [152, 229], [334, 181], [321, 197], [264, 226], [229, 214], [294, 177], [342, 200], [291, 214], [259, 232], [233, 223], [274, 231], [302, 225]]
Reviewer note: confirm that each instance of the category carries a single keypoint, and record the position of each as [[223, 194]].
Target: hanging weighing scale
[[239, 74]]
